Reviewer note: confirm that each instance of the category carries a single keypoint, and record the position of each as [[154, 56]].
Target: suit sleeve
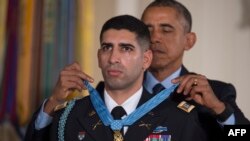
[[227, 94], [36, 135]]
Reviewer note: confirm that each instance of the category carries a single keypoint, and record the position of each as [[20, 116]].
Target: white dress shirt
[[129, 105]]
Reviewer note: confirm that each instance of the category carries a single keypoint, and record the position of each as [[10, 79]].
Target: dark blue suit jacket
[[227, 94]]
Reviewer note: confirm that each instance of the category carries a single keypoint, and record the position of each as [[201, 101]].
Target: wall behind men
[[223, 45], [223, 39]]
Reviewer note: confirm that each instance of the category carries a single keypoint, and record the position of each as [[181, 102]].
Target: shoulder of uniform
[[185, 106], [63, 105]]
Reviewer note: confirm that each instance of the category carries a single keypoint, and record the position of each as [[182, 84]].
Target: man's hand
[[70, 78], [198, 89]]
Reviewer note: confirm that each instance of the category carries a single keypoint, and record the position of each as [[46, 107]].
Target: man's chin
[[114, 84], [156, 66]]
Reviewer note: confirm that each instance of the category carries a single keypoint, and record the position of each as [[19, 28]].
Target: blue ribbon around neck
[[108, 120], [104, 114]]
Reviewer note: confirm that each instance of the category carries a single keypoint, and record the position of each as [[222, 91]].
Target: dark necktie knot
[[158, 88], [118, 112]]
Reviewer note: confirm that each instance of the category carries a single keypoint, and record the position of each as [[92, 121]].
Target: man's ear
[[148, 56], [190, 40]]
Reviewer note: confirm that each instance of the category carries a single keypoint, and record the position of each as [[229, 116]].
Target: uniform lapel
[[145, 126], [94, 126]]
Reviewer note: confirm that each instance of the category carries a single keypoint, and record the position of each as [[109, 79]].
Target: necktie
[[158, 88], [118, 112]]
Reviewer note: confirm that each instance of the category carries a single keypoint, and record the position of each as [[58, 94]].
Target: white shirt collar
[[129, 105]]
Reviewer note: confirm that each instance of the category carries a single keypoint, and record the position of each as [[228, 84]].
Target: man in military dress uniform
[[122, 109]]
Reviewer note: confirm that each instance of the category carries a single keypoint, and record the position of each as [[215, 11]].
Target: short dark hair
[[131, 24], [180, 8]]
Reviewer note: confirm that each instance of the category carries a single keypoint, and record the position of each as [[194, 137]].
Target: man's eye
[[166, 30], [127, 48], [106, 48]]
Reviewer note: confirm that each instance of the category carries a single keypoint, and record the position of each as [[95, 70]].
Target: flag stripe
[[3, 10], [24, 60]]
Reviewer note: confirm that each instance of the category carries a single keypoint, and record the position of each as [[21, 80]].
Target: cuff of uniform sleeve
[[43, 119], [222, 117]]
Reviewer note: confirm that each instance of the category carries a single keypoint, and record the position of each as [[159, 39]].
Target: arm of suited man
[[227, 94]]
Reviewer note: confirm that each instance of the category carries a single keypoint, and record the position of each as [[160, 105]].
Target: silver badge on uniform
[[81, 135]]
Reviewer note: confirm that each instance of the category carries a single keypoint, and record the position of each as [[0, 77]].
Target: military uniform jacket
[[84, 122]]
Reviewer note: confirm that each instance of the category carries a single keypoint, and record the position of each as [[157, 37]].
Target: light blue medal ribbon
[[115, 125], [104, 114]]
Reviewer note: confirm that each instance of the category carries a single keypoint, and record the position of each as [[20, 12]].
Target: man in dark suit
[[170, 25], [123, 58]]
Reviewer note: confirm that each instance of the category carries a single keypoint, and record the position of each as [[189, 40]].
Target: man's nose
[[155, 36], [114, 56]]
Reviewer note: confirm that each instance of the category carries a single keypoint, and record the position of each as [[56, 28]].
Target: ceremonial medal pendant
[[118, 135]]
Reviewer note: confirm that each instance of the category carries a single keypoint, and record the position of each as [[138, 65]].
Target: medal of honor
[[118, 136], [117, 125]]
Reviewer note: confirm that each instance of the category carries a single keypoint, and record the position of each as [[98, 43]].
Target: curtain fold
[[26, 19], [3, 11]]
